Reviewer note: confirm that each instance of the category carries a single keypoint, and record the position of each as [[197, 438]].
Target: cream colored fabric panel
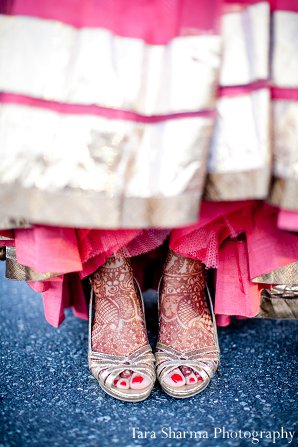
[[285, 154], [285, 49], [240, 156], [51, 151], [241, 139], [93, 66], [245, 45], [56, 161]]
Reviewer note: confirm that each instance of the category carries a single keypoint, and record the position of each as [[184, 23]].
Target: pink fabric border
[[154, 21], [79, 109]]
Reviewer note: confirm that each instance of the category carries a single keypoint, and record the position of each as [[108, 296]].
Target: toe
[[122, 380], [191, 379], [138, 381], [186, 370], [175, 378], [199, 378], [122, 383], [190, 375], [125, 374]]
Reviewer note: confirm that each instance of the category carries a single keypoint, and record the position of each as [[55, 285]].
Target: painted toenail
[[198, 376], [138, 382], [176, 378], [123, 384], [137, 379], [191, 379], [115, 381]]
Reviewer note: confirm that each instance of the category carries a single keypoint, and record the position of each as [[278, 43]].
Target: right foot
[[118, 327]]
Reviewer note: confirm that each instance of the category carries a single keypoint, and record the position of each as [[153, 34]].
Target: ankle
[[179, 265], [113, 277], [112, 262]]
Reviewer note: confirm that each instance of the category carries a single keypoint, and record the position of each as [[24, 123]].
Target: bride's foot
[[118, 327], [185, 323]]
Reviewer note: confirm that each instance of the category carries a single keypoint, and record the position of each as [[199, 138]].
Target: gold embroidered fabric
[[287, 275], [243, 185], [17, 271], [281, 302]]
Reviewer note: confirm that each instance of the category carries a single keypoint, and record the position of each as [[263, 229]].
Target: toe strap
[[105, 368], [204, 360]]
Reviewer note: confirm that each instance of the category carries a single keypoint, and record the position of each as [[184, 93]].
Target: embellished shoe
[[187, 371], [129, 378]]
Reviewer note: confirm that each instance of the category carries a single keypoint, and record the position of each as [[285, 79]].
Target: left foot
[[185, 322]]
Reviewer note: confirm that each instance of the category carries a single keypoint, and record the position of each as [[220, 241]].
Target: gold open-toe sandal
[[105, 368], [204, 361]]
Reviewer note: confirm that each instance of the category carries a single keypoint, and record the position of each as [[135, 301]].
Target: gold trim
[[287, 275], [281, 308], [20, 272], [284, 193], [243, 185], [88, 209], [9, 223]]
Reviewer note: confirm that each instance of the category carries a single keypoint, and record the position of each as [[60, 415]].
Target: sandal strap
[[203, 360], [141, 360]]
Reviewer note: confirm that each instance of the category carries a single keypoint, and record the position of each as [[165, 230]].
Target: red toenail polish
[[200, 378], [137, 379], [123, 383], [176, 378], [191, 379], [115, 381]]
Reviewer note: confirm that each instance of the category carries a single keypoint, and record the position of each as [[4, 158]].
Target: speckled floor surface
[[48, 397]]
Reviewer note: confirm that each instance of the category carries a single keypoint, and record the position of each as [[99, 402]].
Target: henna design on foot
[[118, 327], [185, 322]]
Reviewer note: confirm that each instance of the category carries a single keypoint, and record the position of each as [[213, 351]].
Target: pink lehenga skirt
[[125, 124]]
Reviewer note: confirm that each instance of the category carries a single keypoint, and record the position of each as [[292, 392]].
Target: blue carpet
[[49, 398]]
